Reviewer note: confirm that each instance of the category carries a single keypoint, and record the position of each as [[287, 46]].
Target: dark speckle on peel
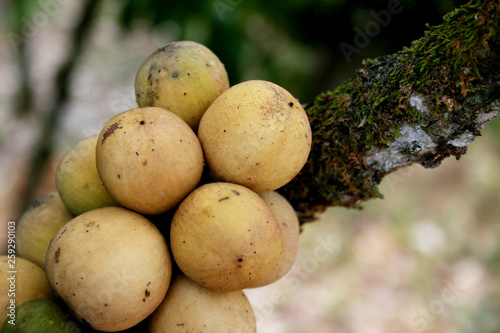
[[175, 74], [57, 254]]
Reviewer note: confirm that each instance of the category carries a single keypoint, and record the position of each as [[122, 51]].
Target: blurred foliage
[[294, 43]]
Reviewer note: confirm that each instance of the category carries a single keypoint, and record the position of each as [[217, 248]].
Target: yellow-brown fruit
[[189, 307], [38, 224], [77, 180], [290, 228], [20, 281], [224, 237], [183, 77], [255, 134], [148, 159], [111, 266]]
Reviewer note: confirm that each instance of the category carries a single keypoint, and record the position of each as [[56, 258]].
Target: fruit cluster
[[171, 212]]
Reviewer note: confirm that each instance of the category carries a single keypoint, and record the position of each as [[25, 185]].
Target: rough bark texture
[[420, 105]]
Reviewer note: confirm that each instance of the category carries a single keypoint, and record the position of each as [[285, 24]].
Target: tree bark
[[425, 103]]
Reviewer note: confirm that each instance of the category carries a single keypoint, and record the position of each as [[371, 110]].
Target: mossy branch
[[420, 105]]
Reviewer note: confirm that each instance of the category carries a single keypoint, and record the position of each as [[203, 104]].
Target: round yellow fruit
[[77, 180], [148, 159], [189, 307], [256, 134], [111, 266], [224, 237], [183, 77], [20, 281], [290, 228], [38, 224]]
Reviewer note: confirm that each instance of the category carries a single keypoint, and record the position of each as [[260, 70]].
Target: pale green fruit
[[111, 266], [189, 307], [183, 77], [256, 134], [290, 228], [20, 281], [38, 224], [149, 159], [77, 180], [224, 237], [42, 316]]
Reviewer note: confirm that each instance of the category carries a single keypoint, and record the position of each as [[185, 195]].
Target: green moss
[[452, 67]]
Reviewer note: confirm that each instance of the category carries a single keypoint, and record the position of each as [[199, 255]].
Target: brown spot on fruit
[[147, 293], [110, 131], [57, 254], [290, 104]]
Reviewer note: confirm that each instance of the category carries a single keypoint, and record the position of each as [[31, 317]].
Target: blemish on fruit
[[110, 131], [147, 293], [240, 260], [57, 254], [235, 192], [119, 176], [142, 122], [136, 153], [225, 198], [175, 74]]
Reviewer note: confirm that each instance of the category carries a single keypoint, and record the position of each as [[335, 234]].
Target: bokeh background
[[426, 258]]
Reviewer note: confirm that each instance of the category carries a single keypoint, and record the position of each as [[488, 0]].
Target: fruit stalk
[[420, 105]]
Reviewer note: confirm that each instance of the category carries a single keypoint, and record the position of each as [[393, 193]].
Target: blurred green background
[[68, 66]]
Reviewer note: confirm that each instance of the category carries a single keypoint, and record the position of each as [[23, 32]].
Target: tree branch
[[44, 145], [420, 105]]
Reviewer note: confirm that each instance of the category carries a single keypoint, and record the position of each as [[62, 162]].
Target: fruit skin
[[190, 307], [111, 266], [256, 134], [42, 316], [224, 237], [290, 228], [183, 77], [77, 180], [30, 284], [38, 224], [148, 159]]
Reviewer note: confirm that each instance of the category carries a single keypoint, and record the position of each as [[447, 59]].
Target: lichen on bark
[[420, 105]]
